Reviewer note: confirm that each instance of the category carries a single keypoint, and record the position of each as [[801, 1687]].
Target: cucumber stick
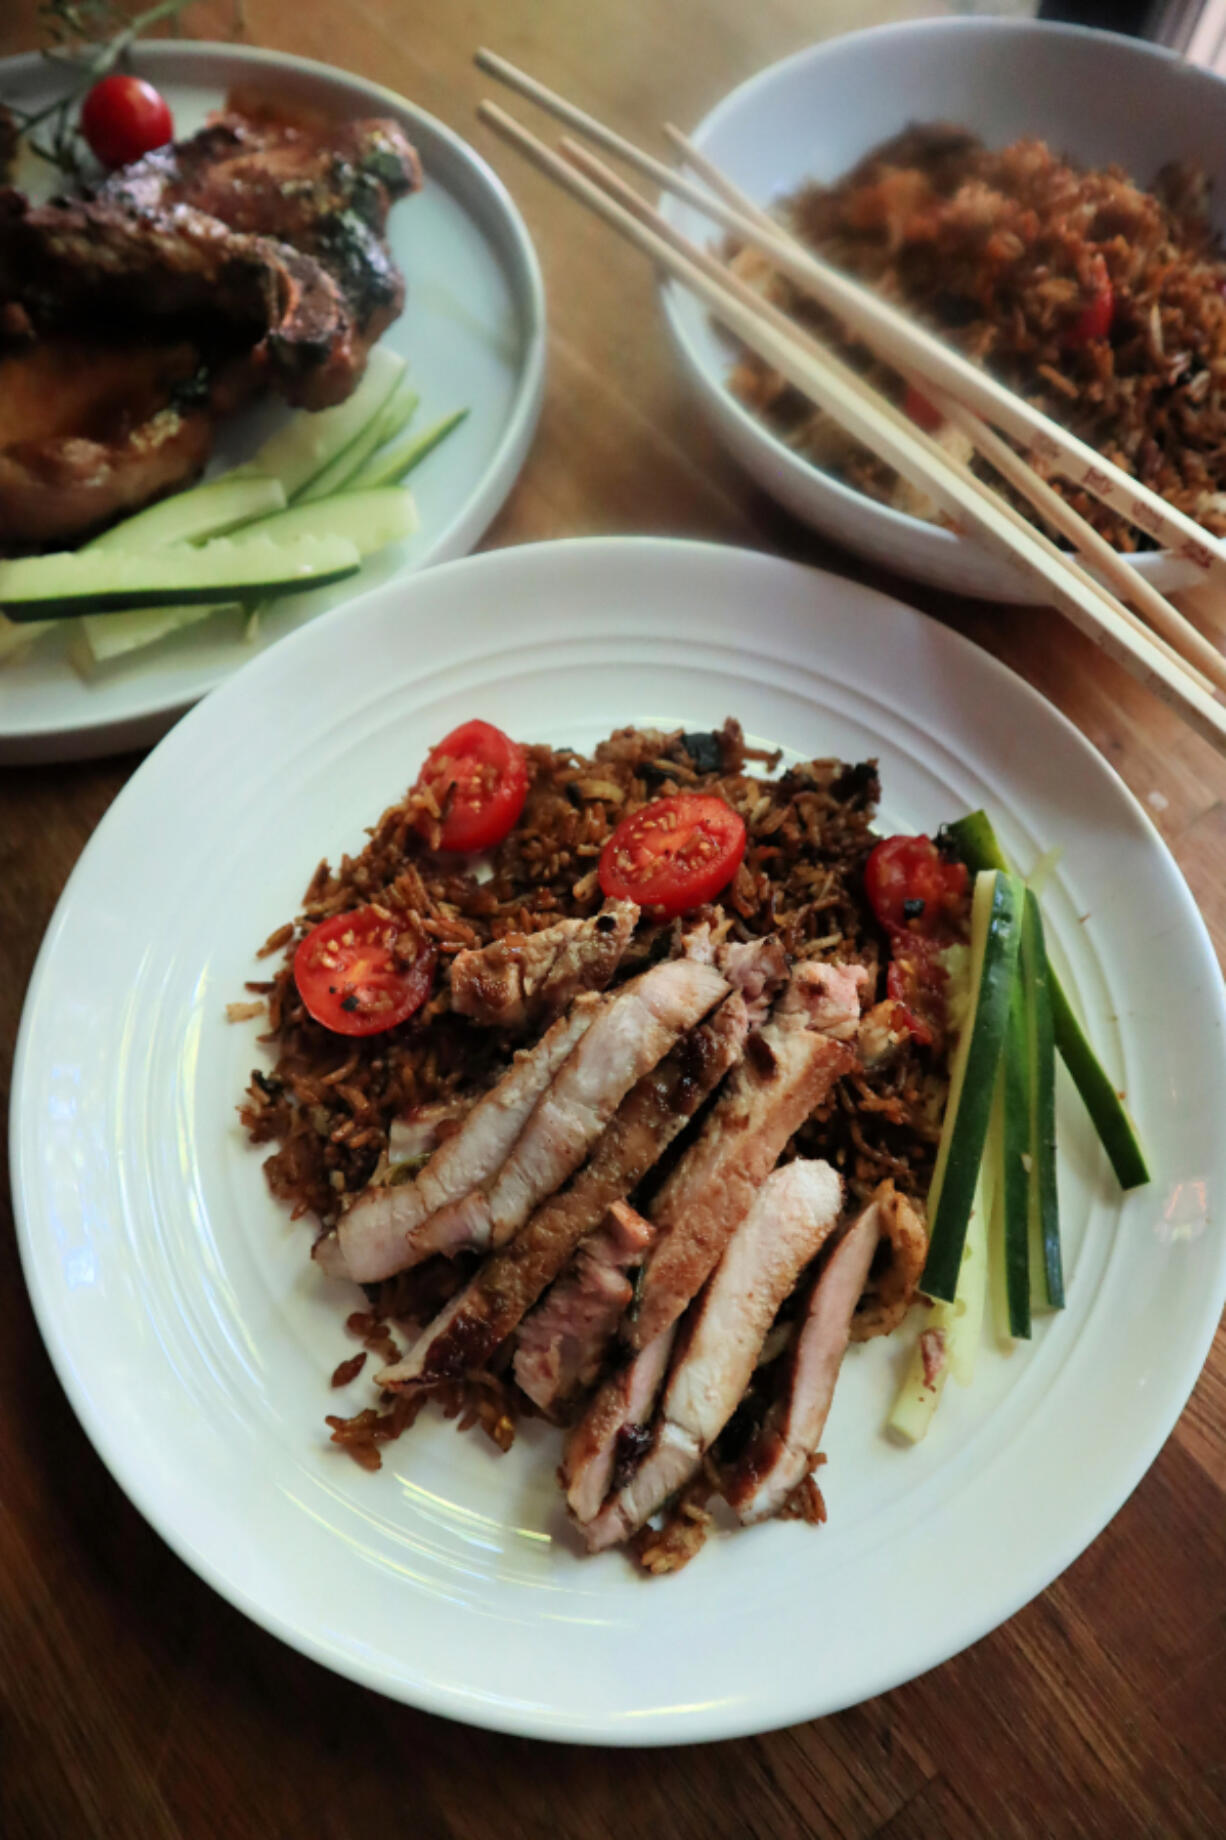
[[395, 414], [395, 463], [308, 443], [368, 520], [84, 581], [996, 924], [105, 637], [1046, 1269], [958, 1325], [977, 845], [204, 511], [1016, 1165]]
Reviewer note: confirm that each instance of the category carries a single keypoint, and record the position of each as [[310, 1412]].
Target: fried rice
[[1101, 303], [327, 1102]]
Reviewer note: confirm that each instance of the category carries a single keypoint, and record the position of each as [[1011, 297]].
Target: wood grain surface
[[133, 1701]]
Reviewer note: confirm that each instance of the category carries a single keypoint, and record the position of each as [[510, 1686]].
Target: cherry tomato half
[[913, 889], [123, 118], [479, 778], [923, 413], [361, 972], [674, 854]]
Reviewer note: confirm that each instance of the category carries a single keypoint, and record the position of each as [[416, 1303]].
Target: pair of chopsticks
[[1168, 654]]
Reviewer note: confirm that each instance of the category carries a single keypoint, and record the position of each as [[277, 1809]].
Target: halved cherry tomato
[[674, 854], [362, 972], [923, 413], [915, 890], [123, 118], [479, 778], [1095, 317]]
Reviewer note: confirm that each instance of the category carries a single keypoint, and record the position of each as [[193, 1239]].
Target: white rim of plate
[[456, 539], [671, 291], [462, 1703]]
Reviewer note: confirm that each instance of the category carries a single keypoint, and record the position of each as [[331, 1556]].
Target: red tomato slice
[[923, 413], [361, 972], [479, 777], [674, 854], [915, 890], [123, 118]]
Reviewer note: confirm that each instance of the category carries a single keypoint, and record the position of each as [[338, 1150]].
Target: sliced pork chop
[[719, 1344], [562, 1344], [475, 1323], [614, 1431], [526, 978], [788, 1069], [640, 1023], [783, 1452], [420, 1130], [388, 1229]]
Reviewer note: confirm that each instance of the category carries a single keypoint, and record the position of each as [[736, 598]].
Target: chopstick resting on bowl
[[882, 427]]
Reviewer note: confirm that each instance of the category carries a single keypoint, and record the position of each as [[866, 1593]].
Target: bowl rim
[[934, 537]]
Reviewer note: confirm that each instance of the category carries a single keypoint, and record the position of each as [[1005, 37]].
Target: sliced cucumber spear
[[1046, 1267], [395, 414], [85, 581], [1016, 1137], [308, 443], [395, 463], [976, 843], [368, 520], [204, 511], [996, 925]]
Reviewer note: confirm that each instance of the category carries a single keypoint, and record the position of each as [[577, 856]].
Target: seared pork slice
[[892, 1285], [478, 1320], [719, 1344], [562, 1344], [637, 1028], [614, 1431], [783, 1452], [525, 978], [420, 1130], [788, 1069], [828, 998], [388, 1229]]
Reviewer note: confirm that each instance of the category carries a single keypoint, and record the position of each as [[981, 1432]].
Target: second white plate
[[472, 333], [195, 1338]]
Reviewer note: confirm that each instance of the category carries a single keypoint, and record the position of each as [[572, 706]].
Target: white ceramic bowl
[[1100, 98]]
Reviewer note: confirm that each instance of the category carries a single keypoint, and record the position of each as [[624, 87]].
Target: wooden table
[[137, 1703]]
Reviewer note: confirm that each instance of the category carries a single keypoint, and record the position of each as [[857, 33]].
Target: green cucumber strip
[[976, 843], [995, 932], [396, 463], [311, 440], [1046, 1269], [995, 1154], [396, 412], [83, 581], [108, 636], [1016, 1164], [368, 520], [203, 511]]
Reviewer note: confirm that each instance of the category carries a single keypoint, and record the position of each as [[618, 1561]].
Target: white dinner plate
[[196, 1339], [472, 333]]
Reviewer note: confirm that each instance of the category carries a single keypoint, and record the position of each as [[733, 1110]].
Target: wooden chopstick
[[625, 194], [1095, 614], [1174, 628], [898, 339]]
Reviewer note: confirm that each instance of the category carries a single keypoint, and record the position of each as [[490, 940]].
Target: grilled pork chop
[[782, 1453], [258, 243], [389, 1229], [562, 1344], [526, 977], [789, 1067], [720, 1340], [469, 1329]]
